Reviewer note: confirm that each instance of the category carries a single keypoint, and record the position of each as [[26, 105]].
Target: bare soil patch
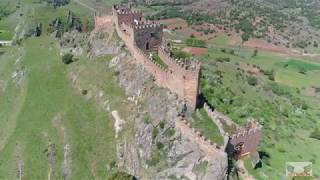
[[263, 45], [195, 50], [174, 23]]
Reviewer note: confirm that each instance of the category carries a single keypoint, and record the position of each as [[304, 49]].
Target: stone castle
[[180, 76], [142, 37]]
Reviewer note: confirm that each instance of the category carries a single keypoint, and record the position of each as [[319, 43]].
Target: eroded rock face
[[156, 150]]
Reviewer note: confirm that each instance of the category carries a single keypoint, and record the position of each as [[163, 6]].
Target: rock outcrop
[[157, 150]]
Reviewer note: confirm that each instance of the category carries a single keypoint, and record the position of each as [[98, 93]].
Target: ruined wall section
[[249, 138]]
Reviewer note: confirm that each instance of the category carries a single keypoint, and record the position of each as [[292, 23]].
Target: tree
[[119, 175], [67, 58], [255, 53], [252, 81]]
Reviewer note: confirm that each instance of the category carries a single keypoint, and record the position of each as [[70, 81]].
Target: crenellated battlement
[[252, 127], [191, 65], [181, 76], [193, 134], [121, 9], [144, 25], [247, 139]]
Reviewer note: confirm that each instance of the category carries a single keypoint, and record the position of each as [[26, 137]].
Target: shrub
[[255, 53], [278, 90], [155, 158], [301, 44], [160, 145], [162, 124], [302, 71], [252, 81], [67, 58], [269, 74], [195, 42], [119, 175], [315, 134], [180, 55], [282, 150], [146, 120], [221, 59], [155, 132], [170, 132]]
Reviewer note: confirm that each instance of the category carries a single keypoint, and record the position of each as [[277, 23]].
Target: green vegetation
[[276, 102], [119, 175], [5, 35], [177, 54], [56, 3], [44, 106], [200, 168], [203, 123], [155, 158], [194, 42], [41, 113], [67, 58], [246, 27], [298, 65], [315, 134], [252, 81], [158, 60]]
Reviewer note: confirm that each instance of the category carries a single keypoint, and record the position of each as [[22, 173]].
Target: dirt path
[[85, 5]]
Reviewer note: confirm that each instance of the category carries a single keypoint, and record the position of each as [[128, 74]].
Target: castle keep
[[142, 37]]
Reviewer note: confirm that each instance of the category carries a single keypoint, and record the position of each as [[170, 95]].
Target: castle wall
[[160, 74], [185, 81], [250, 139], [176, 77], [126, 15], [148, 36]]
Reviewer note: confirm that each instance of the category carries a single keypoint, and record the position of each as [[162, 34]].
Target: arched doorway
[[147, 46]]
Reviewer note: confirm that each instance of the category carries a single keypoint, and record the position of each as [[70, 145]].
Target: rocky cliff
[[148, 145]]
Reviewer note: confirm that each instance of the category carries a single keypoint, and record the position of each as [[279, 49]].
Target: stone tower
[[247, 140]]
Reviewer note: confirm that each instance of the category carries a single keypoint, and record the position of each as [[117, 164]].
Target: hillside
[[288, 23], [74, 106]]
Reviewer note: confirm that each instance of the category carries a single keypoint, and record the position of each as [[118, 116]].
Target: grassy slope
[[284, 139], [45, 108], [203, 123], [45, 95]]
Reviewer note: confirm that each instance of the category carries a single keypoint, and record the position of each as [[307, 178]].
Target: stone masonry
[[181, 76], [140, 36], [246, 141]]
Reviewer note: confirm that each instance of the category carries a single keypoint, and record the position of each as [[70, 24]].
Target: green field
[[47, 110], [276, 104]]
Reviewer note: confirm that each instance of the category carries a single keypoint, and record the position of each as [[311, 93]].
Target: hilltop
[[73, 106]]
